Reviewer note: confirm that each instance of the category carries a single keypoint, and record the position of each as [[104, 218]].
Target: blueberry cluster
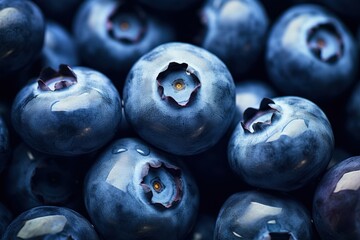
[[179, 119]]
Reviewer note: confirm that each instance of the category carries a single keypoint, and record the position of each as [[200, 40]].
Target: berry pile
[[179, 119]]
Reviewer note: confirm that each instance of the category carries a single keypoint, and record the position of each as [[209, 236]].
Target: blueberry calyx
[[52, 80], [162, 184], [325, 43], [256, 120], [127, 23], [178, 83]]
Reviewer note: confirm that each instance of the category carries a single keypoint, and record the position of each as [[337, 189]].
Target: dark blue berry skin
[[33, 179], [111, 35], [311, 53], [4, 144], [336, 201], [235, 31], [134, 191], [67, 112], [50, 222], [283, 145], [180, 98], [6, 216], [22, 34], [262, 215]]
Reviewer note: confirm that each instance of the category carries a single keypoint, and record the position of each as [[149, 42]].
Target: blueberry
[[22, 34], [67, 112], [111, 35], [311, 53], [235, 31], [134, 191], [283, 145], [33, 179], [180, 98], [262, 215], [337, 201], [50, 222]]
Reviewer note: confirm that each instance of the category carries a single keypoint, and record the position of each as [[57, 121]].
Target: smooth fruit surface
[[67, 112], [260, 215], [22, 34], [135, 191], [337, 200], [283, 145], [180, 98]]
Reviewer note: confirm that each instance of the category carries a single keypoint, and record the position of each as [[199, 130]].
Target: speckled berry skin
[[112, 34], [135, 191], [187, 120], [311, 53], [235, 31], [69, 112], [22, 34], [283, 145], [336, 201], [50, 222]]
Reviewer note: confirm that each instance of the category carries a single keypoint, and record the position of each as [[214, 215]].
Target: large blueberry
[[180, 98], [262, 215], [311, 53], [33, 179], [336, 201], [113, 34], [67, 112], [49, 222], [134, 191], [235, 31], [283, 145], [22, 34]]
